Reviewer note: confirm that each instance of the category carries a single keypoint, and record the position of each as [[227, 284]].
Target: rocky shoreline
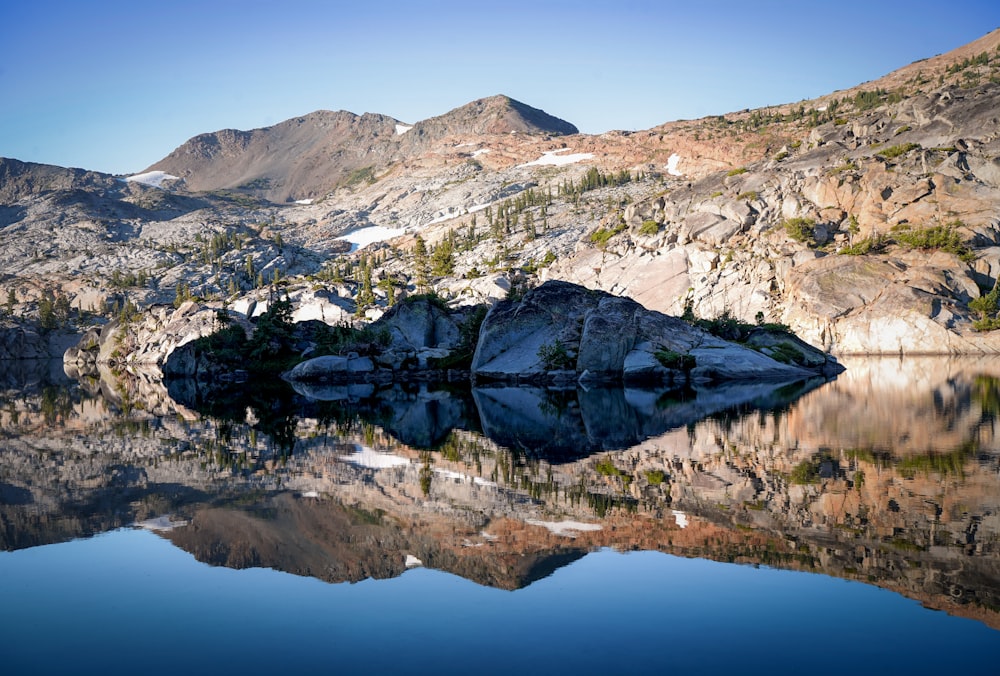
[[557, 334]]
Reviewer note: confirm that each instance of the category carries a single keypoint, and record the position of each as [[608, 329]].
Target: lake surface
[[761, 528]]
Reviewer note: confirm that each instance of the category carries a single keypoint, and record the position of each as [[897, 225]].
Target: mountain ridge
[[306, 156]]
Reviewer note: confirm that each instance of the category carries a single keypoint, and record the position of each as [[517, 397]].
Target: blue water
[[129, 602]]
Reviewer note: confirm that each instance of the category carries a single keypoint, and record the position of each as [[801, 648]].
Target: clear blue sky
[[115, 86]]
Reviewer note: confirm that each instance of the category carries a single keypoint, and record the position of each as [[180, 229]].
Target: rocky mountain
[[308, 156], [866, 219]]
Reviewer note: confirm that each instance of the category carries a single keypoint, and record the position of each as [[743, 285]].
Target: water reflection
[[889, 475]]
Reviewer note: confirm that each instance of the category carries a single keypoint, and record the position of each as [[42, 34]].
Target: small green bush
[[940, 237], [800, 229], [675, 360], [987, 306], [737, 171], [555, 357], [601, 236], [649, 228], [869, 245], [806, 472], [655, 477]]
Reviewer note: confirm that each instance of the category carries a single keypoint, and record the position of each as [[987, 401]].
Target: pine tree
[[421, 265]]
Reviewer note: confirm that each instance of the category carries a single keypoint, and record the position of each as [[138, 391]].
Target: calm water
[[811, 526]]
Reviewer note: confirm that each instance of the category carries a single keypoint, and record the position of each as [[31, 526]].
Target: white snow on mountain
[[672, 163], [553, 157], [153, 179]]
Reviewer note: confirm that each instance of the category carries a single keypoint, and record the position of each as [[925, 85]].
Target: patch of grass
[[737, 171], [358, 176], [892, 152], [749, 195], [601, 236], [846, 166], [786, 353], [717, 193]]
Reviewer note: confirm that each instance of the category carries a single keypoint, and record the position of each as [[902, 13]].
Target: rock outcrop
[[561, 327]]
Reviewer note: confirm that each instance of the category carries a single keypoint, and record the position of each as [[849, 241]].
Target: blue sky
[[115, 86]]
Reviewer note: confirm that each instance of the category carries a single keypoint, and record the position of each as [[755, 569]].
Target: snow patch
[[310, 494], [153, 179], [305, 201], [159, 524], [362, 237], [672, 163], [372, 459], [412, 561], [553, 157], [481, 151], [458, 476], [402, 128], [565, 528], [681, 518]]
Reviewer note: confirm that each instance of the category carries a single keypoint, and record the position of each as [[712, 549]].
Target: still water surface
[[760, 528]]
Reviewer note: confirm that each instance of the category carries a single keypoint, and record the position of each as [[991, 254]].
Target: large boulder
[[560, 327]]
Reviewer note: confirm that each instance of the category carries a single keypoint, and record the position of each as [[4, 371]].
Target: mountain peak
[[499, 114]]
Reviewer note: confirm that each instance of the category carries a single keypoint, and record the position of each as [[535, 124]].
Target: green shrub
[[605, 467], [649, 228], [987, 305], [675, 360], [869, 245], [800, 229], [555, 357], [940, 237], [806, 472], [655, 477], [749, 195], [601, 236], [737, 171], [785, 353]]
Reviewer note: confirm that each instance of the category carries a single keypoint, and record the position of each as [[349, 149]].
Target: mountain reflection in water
[[888, 475]]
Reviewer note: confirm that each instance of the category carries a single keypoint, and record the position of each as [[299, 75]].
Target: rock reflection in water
[[503, 485]]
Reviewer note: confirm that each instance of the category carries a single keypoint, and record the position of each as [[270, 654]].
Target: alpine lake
[[824, 526]]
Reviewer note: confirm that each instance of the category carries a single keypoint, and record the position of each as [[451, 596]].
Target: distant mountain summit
[[308, 156], [495, 115]]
